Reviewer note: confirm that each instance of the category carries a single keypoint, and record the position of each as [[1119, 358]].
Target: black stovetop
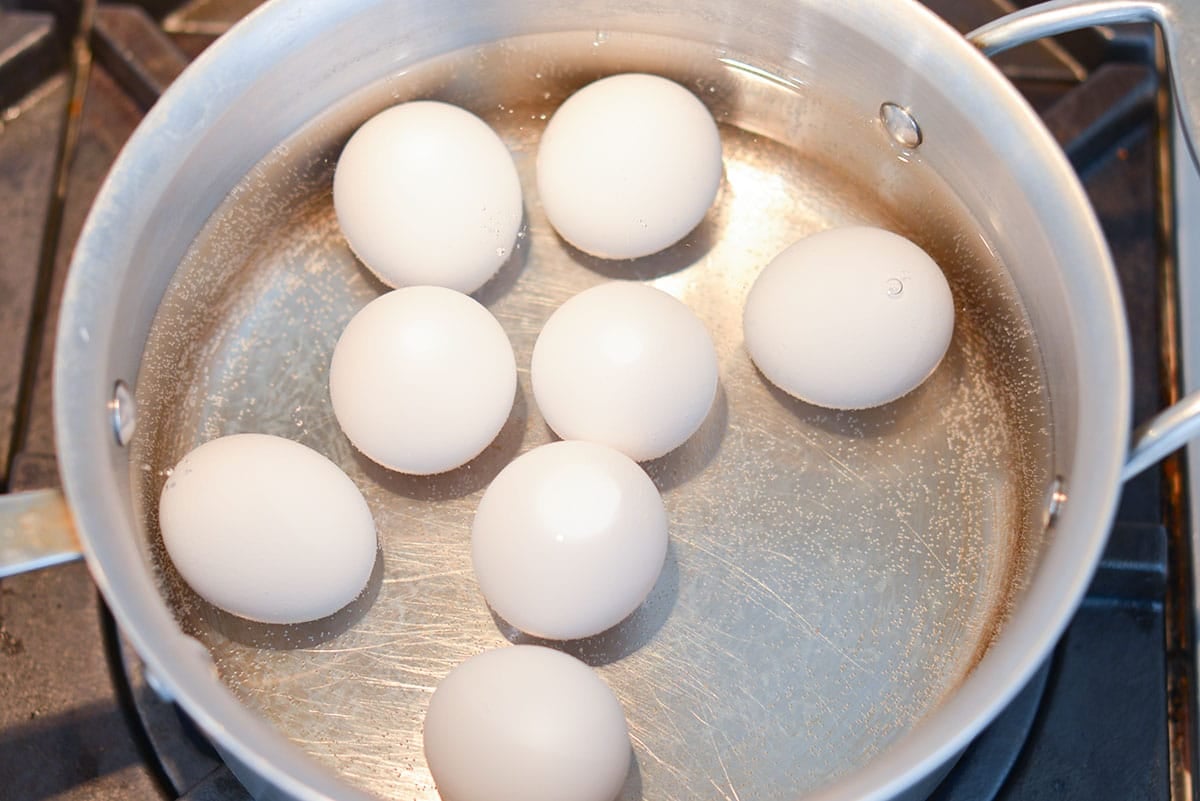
[[77, 718]]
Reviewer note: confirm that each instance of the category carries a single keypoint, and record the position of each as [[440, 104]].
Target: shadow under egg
[[510, 271], [632, 789], [462, 481], [292, 636], [687, 461], [627, 637], [877, 421], [692, 248], [496, 287]]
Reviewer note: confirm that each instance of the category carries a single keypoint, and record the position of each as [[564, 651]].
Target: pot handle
[[1179, 21], [36, 531], [1163, 434]]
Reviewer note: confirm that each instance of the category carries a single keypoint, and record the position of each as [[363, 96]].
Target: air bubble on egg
[[427, 194], [849, 318]]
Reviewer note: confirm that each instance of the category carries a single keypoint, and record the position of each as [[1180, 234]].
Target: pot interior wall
[[833, 576]]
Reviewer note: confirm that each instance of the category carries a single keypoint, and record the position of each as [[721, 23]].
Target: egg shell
[[628, 166], [427, 194], [849, 318], [526, 723], [267, 528], [422, 379], [568, 540], [625, 365]]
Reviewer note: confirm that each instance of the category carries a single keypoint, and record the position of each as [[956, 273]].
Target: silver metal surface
[[904, 130], [1186, 182], [36, 531], [123, 409], [1056, 496], [1163, 434], [849, 598], [1179, 21]]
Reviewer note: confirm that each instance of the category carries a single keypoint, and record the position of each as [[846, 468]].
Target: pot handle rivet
[[900, 125], [123, 412], [1056, 497]]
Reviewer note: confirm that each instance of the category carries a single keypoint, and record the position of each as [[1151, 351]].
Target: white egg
[[422, 379], [427, 193], [267, 529], [628, 165], [568, 540], [849, 318], [625, 365], [526, 723]]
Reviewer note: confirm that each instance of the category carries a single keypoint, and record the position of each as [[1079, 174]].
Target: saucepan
[[848, 598]]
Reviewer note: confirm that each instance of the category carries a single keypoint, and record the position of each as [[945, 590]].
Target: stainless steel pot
[[849, 653]]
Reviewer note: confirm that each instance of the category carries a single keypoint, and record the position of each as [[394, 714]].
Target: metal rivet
[[123, 413], [1056, 496], [900, 125]]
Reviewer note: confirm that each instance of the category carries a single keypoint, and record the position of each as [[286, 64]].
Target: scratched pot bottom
[[831, 576]]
